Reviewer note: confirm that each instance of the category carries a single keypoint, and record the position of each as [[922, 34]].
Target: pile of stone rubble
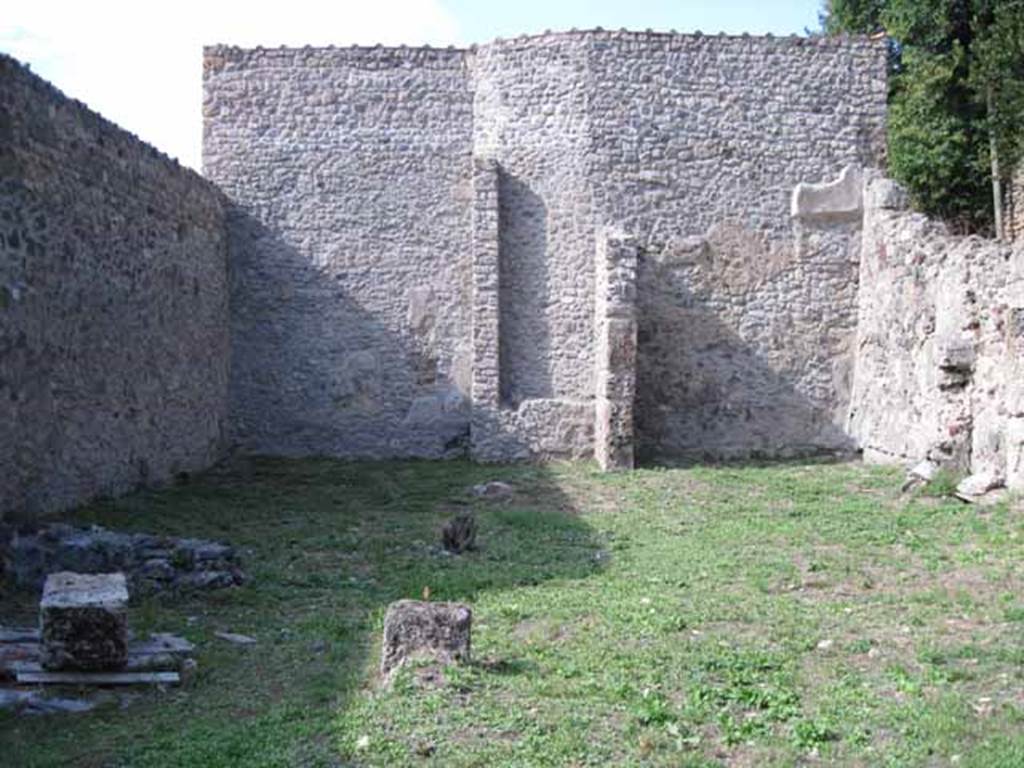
[[151, 563]]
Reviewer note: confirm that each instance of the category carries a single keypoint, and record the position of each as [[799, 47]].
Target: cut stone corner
[[842, 198]]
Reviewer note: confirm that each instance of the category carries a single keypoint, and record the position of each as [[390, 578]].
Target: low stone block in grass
[[437, 632], [84, 622]]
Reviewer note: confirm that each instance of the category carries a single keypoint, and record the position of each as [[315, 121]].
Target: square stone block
[[84, 621], [438, 632]]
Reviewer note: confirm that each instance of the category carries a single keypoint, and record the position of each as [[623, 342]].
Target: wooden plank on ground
[[19, 635], [13, 655], [97, 678]]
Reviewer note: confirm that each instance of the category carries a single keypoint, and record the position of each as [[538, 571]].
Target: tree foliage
[[956, 95]]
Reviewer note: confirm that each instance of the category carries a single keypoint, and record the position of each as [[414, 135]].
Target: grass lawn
[[802, 614]]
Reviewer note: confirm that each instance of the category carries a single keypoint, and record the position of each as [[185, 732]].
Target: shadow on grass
[[328, 545], [748, 462]]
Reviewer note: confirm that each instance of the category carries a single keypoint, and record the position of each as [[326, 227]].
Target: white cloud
[[139, 64]]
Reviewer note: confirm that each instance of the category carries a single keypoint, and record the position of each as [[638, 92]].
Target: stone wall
[[531, 119], [350, 178], [113, 306], [1013, 223], [940, 344], [746, 314], [364, 253]]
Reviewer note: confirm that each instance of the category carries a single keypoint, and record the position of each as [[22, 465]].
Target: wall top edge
[[14, 69], [597, 34]]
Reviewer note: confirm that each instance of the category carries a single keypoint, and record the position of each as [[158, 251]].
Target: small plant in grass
[[1014, 613], [738, 729], [942, 485], [653, 708], [860, 645], [812, 733]]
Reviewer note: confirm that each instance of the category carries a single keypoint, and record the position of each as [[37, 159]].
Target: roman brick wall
[[531, 120]]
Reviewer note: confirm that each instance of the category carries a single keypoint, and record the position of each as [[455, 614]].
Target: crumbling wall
[[939, 344], [350, 177], [615, 323], [1013, 216], [113, 306]]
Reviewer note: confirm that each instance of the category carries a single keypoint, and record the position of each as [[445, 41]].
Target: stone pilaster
[[616, 327], [486, 380]]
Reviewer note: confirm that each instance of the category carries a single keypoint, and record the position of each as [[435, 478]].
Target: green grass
[[783, 615]]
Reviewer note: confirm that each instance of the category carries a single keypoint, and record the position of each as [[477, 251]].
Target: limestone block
[[925, 470], [885, 194], [973, 487], [438, 632], [84, 621], [835, 199]]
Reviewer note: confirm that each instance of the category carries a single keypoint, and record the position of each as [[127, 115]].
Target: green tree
[[956, 102]]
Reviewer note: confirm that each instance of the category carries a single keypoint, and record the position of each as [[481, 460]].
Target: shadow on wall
[[735, 360], [525, 293], [317, 372]]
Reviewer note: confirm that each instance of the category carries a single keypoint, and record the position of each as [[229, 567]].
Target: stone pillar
[[485, 391], [615, 326]]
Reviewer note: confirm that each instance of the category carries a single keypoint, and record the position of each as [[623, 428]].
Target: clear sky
[[139, 63]]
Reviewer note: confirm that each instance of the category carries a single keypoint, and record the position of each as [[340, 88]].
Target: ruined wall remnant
[[1013, 216], [606, 244], [939, 344], [414, 239], [113, 306]]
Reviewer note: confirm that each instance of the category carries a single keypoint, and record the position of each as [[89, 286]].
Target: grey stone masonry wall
[[747, 315], [940, 345], [413, 235], [113, 306], [350, 177], [615, 320], [530, 118], [486, 323]]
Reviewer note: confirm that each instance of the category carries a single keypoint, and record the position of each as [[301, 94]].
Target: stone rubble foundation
[[152, 563]]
